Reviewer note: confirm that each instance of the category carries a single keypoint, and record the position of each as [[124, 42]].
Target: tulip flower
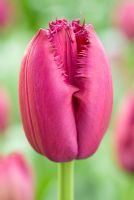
[[5, 12], [15, 178], [4, 109], [125, 18], [65, 93], [125, 134]]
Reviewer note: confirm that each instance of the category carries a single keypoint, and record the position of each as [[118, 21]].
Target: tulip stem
[[66, 181], [130, 193]]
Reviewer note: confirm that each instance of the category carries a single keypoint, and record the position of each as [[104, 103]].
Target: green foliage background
[[99, 177]]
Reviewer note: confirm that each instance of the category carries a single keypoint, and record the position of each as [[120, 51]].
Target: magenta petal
[[125, 134], [5, 108], [63, 41], [50, 108], [94, 100], [125, 18], [24, 102], [16, 181]]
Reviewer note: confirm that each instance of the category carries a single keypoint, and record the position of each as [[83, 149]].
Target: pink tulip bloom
[[65, 91], [125, 134], [4, 109], [5, 12], [125, 18], [15, 178]]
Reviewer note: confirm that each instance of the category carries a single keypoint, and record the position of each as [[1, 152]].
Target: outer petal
[[24, 103], [20, 178], [125, 18], [16, 180], [94, 100], [46, 103], [5, 108], [125, 134]]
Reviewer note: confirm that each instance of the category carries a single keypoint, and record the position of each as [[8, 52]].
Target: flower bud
[[5, 12], [65, 91], [4, 109], [125, 134], [125, 18], [15, 178]]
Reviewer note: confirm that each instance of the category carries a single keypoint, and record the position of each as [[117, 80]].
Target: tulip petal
[[24, 102], [16, 180], [50, 107], [64, 43], [125, 133], [94, 99]]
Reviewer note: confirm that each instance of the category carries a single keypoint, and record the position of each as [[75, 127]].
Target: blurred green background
[[99, 177]]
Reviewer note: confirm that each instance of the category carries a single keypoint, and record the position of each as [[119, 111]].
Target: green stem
[[131, 187], [66, 181]]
